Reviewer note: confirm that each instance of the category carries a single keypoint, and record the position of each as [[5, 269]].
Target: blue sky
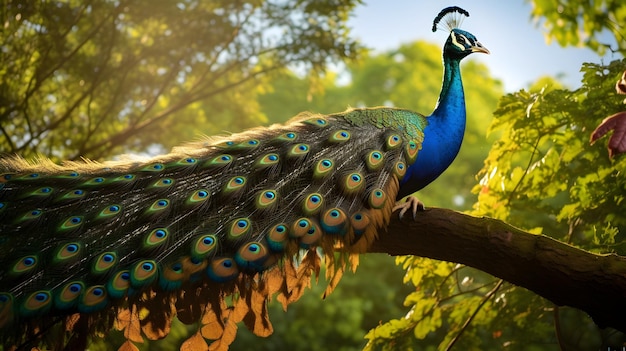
[[519, 52]]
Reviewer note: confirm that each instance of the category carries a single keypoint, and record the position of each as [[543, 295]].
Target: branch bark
[[561, 273]]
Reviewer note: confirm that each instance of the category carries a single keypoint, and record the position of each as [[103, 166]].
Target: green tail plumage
[[210, 220]]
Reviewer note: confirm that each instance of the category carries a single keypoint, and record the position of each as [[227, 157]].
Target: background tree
[[583, 22], [96, 78]]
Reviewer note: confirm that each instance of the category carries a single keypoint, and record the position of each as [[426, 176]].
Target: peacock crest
[[449, 19]]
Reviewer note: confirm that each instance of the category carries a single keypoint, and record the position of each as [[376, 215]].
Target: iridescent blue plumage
[[214, 229], [446, 125]]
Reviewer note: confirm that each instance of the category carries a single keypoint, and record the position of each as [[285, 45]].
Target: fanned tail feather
[[210, 232]]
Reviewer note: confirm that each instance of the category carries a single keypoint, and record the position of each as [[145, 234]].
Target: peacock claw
[[412, 203]]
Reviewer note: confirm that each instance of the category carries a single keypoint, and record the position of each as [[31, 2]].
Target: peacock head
[[460, 43]]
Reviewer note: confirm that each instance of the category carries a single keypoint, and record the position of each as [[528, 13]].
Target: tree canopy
[[96, 78], [583, 22]]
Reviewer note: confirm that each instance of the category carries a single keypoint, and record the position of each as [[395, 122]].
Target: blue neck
[[443, 134]]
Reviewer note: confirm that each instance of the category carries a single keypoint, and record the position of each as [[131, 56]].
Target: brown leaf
[[305, 271], [274, 280], [291, 274], [617, 141], [332, 284], [257, 319], [157, 323], [240, 309], [313, 262], [230, 332], [128, 346], [123, 316], [129, 322], [212, 328], [152, 332], [195, 343], [354, 261]]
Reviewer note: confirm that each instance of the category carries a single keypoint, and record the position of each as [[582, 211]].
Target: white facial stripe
[[457, 44]]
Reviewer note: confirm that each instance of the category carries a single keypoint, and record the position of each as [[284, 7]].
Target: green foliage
[[97, 78], [543, 174], [582, 22], [543, 164]]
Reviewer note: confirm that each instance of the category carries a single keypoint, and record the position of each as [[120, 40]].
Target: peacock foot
[[411, 203]]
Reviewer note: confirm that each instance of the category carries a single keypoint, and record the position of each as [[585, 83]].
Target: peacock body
[[211, 231]]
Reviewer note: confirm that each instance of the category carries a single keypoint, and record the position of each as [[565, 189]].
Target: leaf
[[152, 332], [257, 318], [443, 269], [240, 308], [128, 322], [156, 319], [195, 343], [230, 332], [334, 280], [212, 327], [424, 327], [274, 280], [128, 346]]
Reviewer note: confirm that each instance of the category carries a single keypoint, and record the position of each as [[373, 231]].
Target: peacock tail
[[213, 230], [84, 238]]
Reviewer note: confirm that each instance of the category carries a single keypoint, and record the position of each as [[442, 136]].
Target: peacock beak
[[478, 47]]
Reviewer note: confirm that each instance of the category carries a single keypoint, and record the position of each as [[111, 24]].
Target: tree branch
[[561, 273]]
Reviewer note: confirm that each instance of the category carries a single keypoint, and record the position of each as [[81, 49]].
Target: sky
[[519, 52]]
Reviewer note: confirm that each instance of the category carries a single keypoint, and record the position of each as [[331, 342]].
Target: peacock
[[213, 230]]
